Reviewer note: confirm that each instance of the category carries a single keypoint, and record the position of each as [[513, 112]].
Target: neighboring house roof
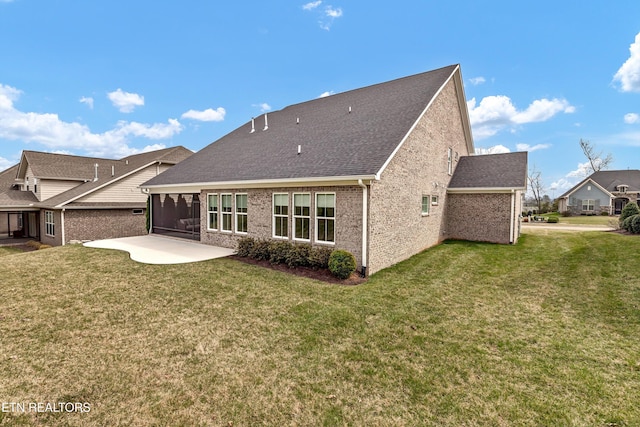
[[609, 180], [77, 168], [490, 172], [10, 196], [349, 134]]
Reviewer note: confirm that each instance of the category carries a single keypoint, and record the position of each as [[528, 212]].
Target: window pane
[[302, 228], [241, 202], [226, 203], [213, 202]]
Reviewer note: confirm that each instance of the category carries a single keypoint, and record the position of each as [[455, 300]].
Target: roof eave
[[484, 190]]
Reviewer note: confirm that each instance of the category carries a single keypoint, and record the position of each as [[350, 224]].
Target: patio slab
[[153, 249]]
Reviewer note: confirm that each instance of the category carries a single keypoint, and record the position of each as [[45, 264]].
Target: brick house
[[602, 191], [58, 198], [366, 170]]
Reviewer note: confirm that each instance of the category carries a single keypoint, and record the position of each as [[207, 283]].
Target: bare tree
[[536, 186], [596, 161]]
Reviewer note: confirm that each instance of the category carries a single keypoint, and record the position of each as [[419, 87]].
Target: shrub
[[552, 219], [342, 263], [635, 224], [630, 209], [604, 213], [319, 257], [566, 213], [44, 247], [279, 252], [245, 245], [298, 256], [260, 250], [626, 224]]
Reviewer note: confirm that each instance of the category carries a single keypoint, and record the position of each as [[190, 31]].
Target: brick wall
[[482, 217], [348, 221], [397, 228], [97, 224]]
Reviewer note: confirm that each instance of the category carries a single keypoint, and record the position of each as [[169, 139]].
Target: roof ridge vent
[[349, 109], [266, 122], [253, 125]]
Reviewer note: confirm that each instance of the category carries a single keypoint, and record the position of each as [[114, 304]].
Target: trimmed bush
[[635, 224], [260, 250], [552, 220], [626, 224], [319, 257], [279, 252], [342, 263], [566, 213], [630, 209], [245, 245], [298, 255]]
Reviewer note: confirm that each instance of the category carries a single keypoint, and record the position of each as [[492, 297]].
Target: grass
[[466, 334], [9, 250], [600, 220]]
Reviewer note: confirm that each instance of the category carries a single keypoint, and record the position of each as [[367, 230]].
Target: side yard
[[541, 333]]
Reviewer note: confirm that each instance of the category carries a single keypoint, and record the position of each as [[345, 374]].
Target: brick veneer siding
[[98, 224], [348, 221], [397, 228], [482, 217], [55, 240]]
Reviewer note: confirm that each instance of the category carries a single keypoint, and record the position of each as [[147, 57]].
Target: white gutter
[[512, 221], [62, 226], [365, 225]]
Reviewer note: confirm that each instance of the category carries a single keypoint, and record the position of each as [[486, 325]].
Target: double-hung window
[[49, 223], [301, 216], [212, 208], [426, 202], [241, 213], [281, 215], [588, 205], [226, 210], [325, 217]]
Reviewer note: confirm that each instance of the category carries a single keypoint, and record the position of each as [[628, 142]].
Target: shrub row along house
[[59, 198], [602, 192], [383, 171]]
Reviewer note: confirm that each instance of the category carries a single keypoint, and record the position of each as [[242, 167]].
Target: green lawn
[[544, 333], [585, 219]]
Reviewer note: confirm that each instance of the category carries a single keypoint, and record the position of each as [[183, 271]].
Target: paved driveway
[[153, 249]]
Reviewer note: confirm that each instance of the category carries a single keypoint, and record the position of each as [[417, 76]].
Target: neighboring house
[[58, 198], [603, 191], [366, 170]]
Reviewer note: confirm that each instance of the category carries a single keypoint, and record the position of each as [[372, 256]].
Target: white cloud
[[530, 148], [5, 164], [50, 131], [88, 101], [208, 115], [495, 113], [312, 5], [333, 13], [325, 94], [126, 102], [264, 107], [496, 149], [561, 185], [631, 118], [629, 73], [477, 80], [583, 170]]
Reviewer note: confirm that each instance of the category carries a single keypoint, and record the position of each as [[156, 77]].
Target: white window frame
[[319, 218], [302, 217], [434, 200], [279, 216], [228, 214], [426, 206], [450, 161], [49, 223], [216, 212], [585, 202], [238, 214]]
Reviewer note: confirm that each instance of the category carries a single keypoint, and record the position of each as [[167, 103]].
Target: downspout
[[365, 226], [512, 221], [62, 226]]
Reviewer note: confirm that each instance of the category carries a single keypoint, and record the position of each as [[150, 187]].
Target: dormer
[[622, 188]]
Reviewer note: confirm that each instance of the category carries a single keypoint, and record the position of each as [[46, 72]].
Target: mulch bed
[[322, 275]]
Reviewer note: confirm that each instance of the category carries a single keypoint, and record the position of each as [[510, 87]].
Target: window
[[450, 161], [325, 217], [434, 200], [49, 223], [301, 216], [281, 215], [588, 205], [241, 213], [426, 202], [212, 211], [226, 212], [137, 211]]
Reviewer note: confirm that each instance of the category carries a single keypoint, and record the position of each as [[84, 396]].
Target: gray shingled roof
[[508, 170], [11, 197], [610, 179], [347, 134]]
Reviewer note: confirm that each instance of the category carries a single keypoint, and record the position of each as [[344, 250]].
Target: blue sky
[[114, 78]]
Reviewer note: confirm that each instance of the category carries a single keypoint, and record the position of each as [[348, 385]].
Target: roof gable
[[348, 134], [609, 180]]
